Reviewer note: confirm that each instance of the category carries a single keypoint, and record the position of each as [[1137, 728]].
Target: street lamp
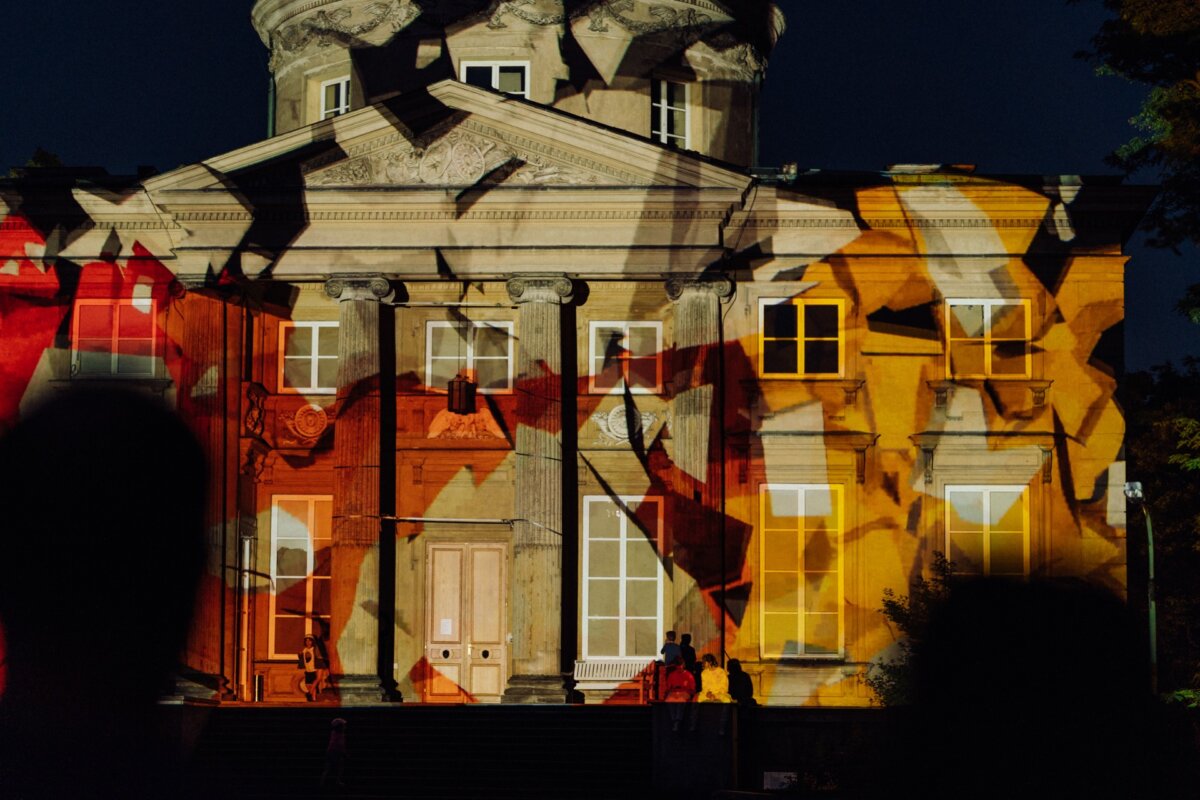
[[1134, 493]]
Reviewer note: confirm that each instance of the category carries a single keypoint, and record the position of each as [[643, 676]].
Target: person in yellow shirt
[[714, 688]]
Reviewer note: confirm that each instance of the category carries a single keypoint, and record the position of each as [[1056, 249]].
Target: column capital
[[717, 284], [555, 289], [359, 287]]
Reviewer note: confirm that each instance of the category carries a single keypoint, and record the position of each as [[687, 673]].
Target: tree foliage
[[892, 679], [1157, 43]]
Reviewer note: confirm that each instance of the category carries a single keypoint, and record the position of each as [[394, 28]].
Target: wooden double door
[[466, 621]]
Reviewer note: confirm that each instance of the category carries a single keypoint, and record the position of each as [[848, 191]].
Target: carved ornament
[[307, 423], [618, 426], [256, 410], [719, 285], [327, 27], [539, 289], [373, 288]]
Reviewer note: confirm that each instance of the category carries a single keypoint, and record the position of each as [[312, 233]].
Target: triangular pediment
[[459, 136]]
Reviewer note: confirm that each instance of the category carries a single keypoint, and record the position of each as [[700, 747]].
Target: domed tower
[[685, 73]]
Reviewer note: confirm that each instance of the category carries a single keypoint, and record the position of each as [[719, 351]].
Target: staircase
[[418, 751]]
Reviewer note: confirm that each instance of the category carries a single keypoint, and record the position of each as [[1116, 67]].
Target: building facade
[[507, 361]]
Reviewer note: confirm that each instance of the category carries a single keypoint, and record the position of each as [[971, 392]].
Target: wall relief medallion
[[480, 425], [618, 426], [303, 426]]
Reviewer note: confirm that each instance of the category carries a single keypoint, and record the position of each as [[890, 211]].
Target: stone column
[[357, 450], [696, 429], [537, 534]]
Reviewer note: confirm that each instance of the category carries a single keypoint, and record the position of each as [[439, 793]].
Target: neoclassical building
[[509, 358]]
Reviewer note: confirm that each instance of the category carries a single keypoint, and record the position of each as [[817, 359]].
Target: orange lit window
[[113, 338], [308, 360], [987, 529], [800, 561], [301, 547], [626, 354], [988, 338], [802, 338]]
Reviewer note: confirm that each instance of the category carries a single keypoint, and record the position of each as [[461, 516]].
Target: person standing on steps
[[335, 752], [311, 659]]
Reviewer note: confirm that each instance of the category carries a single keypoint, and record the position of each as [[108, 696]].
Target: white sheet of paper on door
[[447, 627]]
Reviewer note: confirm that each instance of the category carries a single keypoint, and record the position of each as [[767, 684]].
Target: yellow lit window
[[803, 338], [800, 563], [987, 529], [988, 338]]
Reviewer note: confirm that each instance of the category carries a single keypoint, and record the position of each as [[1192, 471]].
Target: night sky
[[857, 84]]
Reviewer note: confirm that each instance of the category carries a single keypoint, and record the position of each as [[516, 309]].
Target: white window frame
[[800, 302], [342, 108], [622, 578], [988, 342], [595, 360], [986, 490], [660, 112], [496, 65], [469, 354], [312, 500], [144, 305], [837, 492], [314, 358]]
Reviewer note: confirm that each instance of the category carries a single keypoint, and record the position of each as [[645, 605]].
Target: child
[[670, 650]]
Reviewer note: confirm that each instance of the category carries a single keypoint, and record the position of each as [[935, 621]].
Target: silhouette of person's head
[[102, 494], [685, 639]]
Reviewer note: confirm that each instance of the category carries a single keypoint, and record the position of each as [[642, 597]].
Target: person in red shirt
[[679, 688]]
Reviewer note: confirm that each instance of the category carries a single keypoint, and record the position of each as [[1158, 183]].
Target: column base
[[360, 690], [531, 689], [188, 686]]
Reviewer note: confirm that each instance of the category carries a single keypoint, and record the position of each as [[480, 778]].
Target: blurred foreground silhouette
[[101, 500]]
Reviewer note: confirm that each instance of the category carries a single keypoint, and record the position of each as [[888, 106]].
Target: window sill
[[155, 385], [944, 388]]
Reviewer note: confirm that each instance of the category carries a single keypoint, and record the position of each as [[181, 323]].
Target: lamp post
[[1134, 492]]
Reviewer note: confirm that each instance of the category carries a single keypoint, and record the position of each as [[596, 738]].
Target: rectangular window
[[988, 338], [113, 338], [625, 354], [800, 557], [802, 338], [509, 77], [335, 97], [309, 357], [622, 577], [301, 551], [987, 529], [479, 351], [669, 113]]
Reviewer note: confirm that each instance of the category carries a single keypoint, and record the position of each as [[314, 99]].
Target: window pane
[[95, 321], [820, 321], [780, 321], [966, 321], [289, 634], [821, 633], [781, 633], [291, 519], [780, 358], [781, 591], [327, 372], [447, 342], [606, 375], [512, 80], [820, 592], [820, 550], [604, 520], [1008, 358], [604, 559], [321, 596], [603, 598], [641, 638], [331, 97], [640, 559], [608, 343], [327, 340], [134, 357], [602, 637], [135, 321], [297, 373], [821, 358], [1008, 321], [94, 358], [442, 371], [780, 550], [1007, 512], [323, 515], [966, 358], [492, 374], [323, 561], [297, 341], [966, 510], [1008, 554], [291, 559], [781, 508], [966, 551], [674, 93], [479, 76], [641, 599], [643, 372], [642, 341], [818, 505], [677, 123], [491, 342], [291, 596]]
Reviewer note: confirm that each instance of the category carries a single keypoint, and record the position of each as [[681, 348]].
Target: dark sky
[[856, 84]]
